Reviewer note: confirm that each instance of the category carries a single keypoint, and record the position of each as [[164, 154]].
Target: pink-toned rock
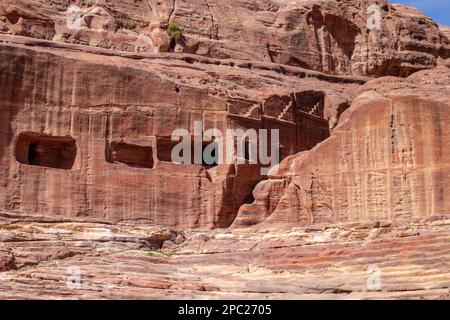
[[88, 130], [161, 40], [93, 205], [445, 30], [387, 159], [337, 37], [7, 260], [79, 260]]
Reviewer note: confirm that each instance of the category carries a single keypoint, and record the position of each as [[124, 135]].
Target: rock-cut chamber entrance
[[46, 151]]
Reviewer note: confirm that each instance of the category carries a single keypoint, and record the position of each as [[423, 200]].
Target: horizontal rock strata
[[94, 206], [343, 261], [338, 37]]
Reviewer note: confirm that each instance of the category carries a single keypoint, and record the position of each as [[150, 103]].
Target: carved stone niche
[[46, 151], [133, 155], [311, 102], [164, 147]]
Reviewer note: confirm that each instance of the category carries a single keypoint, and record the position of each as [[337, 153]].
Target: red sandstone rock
[[387, 159], [160, 38], [329, 36], [87, 134], [88, 183], [445, 30], [343, 261], [7, 259]]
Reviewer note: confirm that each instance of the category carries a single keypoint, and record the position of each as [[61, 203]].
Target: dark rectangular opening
[[310, 131], [130, 154], [46, 151], [247, 150], [210, 154], [165, 147], [311, 102], [243, 154]]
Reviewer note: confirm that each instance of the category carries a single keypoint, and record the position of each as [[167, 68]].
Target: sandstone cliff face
[[86, 133], [387, 159], [87, 180], [337, 37]]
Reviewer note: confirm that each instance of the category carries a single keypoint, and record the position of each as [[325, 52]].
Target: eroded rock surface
[[93, 206], [387, 159], [78, 260], [87, 131], [338, 37]]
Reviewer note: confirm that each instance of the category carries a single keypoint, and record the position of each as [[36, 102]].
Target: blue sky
[[439, 10]]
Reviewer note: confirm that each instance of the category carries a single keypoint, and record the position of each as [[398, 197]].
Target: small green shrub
[[174, 31]]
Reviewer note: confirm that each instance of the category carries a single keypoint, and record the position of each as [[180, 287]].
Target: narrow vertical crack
[[394, 137], [174, 3]]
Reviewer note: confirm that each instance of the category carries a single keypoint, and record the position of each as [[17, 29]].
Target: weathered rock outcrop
[[387, 159], [70, 259], [445, 30], [338, 37], [86, 132], [93, 205]]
